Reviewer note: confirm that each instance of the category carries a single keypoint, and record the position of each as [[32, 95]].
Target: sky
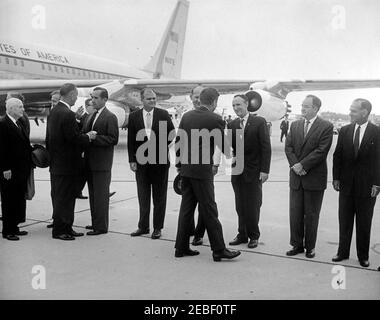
[[237, 39]]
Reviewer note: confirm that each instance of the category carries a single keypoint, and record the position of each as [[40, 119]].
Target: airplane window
[[49, 67], [15, 62], [67, 70], [62, 70], [73, 71], [22, 63], [55, 69], [43, 66], [7, 60]]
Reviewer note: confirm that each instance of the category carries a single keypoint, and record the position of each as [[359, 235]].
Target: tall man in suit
[[197, 177], [15, 166], [65, 144], [356, 175], [306, 147], [252, 133], [150, 131], [98, 158]]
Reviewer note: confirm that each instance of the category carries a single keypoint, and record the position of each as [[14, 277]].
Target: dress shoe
[[364, 263], [111, 194], [253, 243], [378, 269], [294, 251], [188, 252], [237, 241], [64, 236], [197, 241], [225, 254], [89, 227], [139, 232], [310, 254], [95, 233], [11, 237], [81, 196], [76, 234], [49, 226], [338, 258], [156, 234], [21, 233]]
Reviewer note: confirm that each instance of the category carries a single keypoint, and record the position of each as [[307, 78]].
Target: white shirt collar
[[362, 126], [100, 111], [145, 112], [13, 119], [65, 103], [311, 121]]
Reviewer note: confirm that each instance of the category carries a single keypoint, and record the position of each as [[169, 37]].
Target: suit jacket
[[64, 141], [136, 123], [284, 126], [201, 118], [310, 151], [357, 175], [99, 153], [15, 149], [257, 147]]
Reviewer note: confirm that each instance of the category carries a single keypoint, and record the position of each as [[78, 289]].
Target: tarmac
[[118, 266]]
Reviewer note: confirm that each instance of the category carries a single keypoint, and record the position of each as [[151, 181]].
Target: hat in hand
[[40, 156], [177, 185]]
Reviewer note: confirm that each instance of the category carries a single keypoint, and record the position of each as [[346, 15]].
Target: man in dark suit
[[150, 131], [99, 158], [306, 147], [252, 133], [356, 175], [284, 127], [15, 166], [65, 144], [195, 164]]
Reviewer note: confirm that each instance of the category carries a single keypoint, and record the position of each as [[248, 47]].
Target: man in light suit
[[195, 164], [252, 133], [356, 175], [151, 166], [65, 144], [98, 158], [306, 147], [15, 166]]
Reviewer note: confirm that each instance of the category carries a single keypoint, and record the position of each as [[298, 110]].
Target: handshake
[[92, 135]]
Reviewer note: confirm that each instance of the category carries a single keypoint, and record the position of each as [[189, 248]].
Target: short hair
[[15, 94], [54, 93], [243, 96], [66, 89], [103, 92], [142, 92], [87, 102], [208, 96], [11, 102], [192, 90], [364, 104], [316, 101]]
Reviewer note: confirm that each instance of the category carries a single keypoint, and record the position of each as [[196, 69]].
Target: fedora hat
[[40, 156], [177, 185]]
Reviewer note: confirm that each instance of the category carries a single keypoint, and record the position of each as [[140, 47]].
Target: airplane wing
[[47, 85]]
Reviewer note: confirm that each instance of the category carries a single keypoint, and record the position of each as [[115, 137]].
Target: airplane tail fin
[[167, 60]]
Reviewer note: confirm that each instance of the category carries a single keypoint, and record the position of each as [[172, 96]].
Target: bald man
[[15, 166]]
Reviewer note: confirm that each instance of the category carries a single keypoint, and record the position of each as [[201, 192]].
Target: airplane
[[36, 71]]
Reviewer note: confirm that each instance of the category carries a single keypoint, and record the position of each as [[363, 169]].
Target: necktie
[[148, 121], [242, 123], [91, 125], [356, 141], [306, 128]]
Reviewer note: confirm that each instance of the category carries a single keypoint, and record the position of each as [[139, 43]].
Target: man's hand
[[214, 169], [92, 135], [263, 176], [298, 169], [7, 174], [133, 166], [336, 185], [79, 113], [375, 191]]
